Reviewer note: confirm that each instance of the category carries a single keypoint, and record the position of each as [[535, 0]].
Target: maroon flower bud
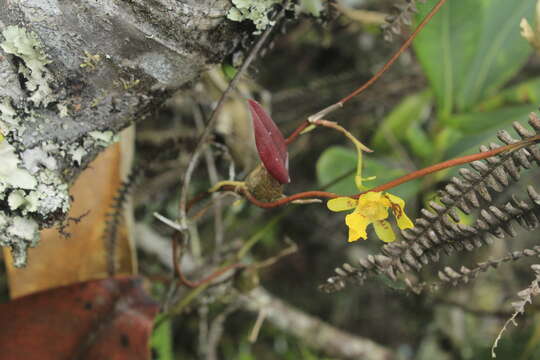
[[270, 143]]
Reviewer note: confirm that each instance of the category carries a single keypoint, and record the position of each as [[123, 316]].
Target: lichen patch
[[26, 46], [254, 10]]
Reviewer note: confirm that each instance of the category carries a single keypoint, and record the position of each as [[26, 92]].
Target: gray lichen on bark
[[73, 74]]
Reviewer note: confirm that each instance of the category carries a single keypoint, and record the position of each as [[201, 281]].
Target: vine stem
[[401, 180], [367, 84]]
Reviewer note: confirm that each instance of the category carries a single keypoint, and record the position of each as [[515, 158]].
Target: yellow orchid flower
[[372, 208]]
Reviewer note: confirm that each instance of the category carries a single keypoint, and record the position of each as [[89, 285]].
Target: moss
[[90, 61]]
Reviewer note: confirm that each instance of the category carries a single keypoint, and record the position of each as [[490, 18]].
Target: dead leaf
[[105, 319], [57, 260]]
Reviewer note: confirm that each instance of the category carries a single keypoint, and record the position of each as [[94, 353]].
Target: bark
[[73, 74]]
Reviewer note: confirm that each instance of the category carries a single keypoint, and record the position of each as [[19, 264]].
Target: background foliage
[[469, 74]]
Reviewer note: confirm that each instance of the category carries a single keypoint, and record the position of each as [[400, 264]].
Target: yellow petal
[[357, 226], [370, 196], [341, 204], [373, 206], [381, 214], [374, 197], [403, 220], [353, 235], [395, 200], [384, 231]]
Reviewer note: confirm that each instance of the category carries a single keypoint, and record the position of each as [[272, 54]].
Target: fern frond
[[395, 23], [438, 229], [114, 218]]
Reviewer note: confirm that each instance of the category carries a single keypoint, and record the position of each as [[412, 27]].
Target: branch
[[68, 86], [312, 330]]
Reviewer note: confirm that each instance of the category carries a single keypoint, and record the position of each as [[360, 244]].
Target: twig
[[168, 222], [214, 178], [208, 279], [257, 326], [202, 347], [152, 242], [291, 249]]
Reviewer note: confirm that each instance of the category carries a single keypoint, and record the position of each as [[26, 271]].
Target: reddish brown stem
[[288, 199], [411, 176], [397, 54], [450, 163], [200, 196], [297, 132], [379, 73]]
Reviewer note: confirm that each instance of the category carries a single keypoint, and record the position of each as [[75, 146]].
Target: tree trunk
[[73, 74]]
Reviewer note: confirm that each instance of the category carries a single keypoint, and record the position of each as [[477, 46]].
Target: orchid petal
[[398, 209], [384, 231], [341, 204], [403, 221], [357, 226]]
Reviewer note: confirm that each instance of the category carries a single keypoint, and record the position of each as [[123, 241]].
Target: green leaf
[[419, 142], [471, 48], [161, 341], [526, 92], [483, 121], [409, 113], [228, 70], [333, 163], [481, 128]]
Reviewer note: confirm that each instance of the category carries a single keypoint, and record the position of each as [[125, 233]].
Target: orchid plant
[[376, 206], [264, 186]]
